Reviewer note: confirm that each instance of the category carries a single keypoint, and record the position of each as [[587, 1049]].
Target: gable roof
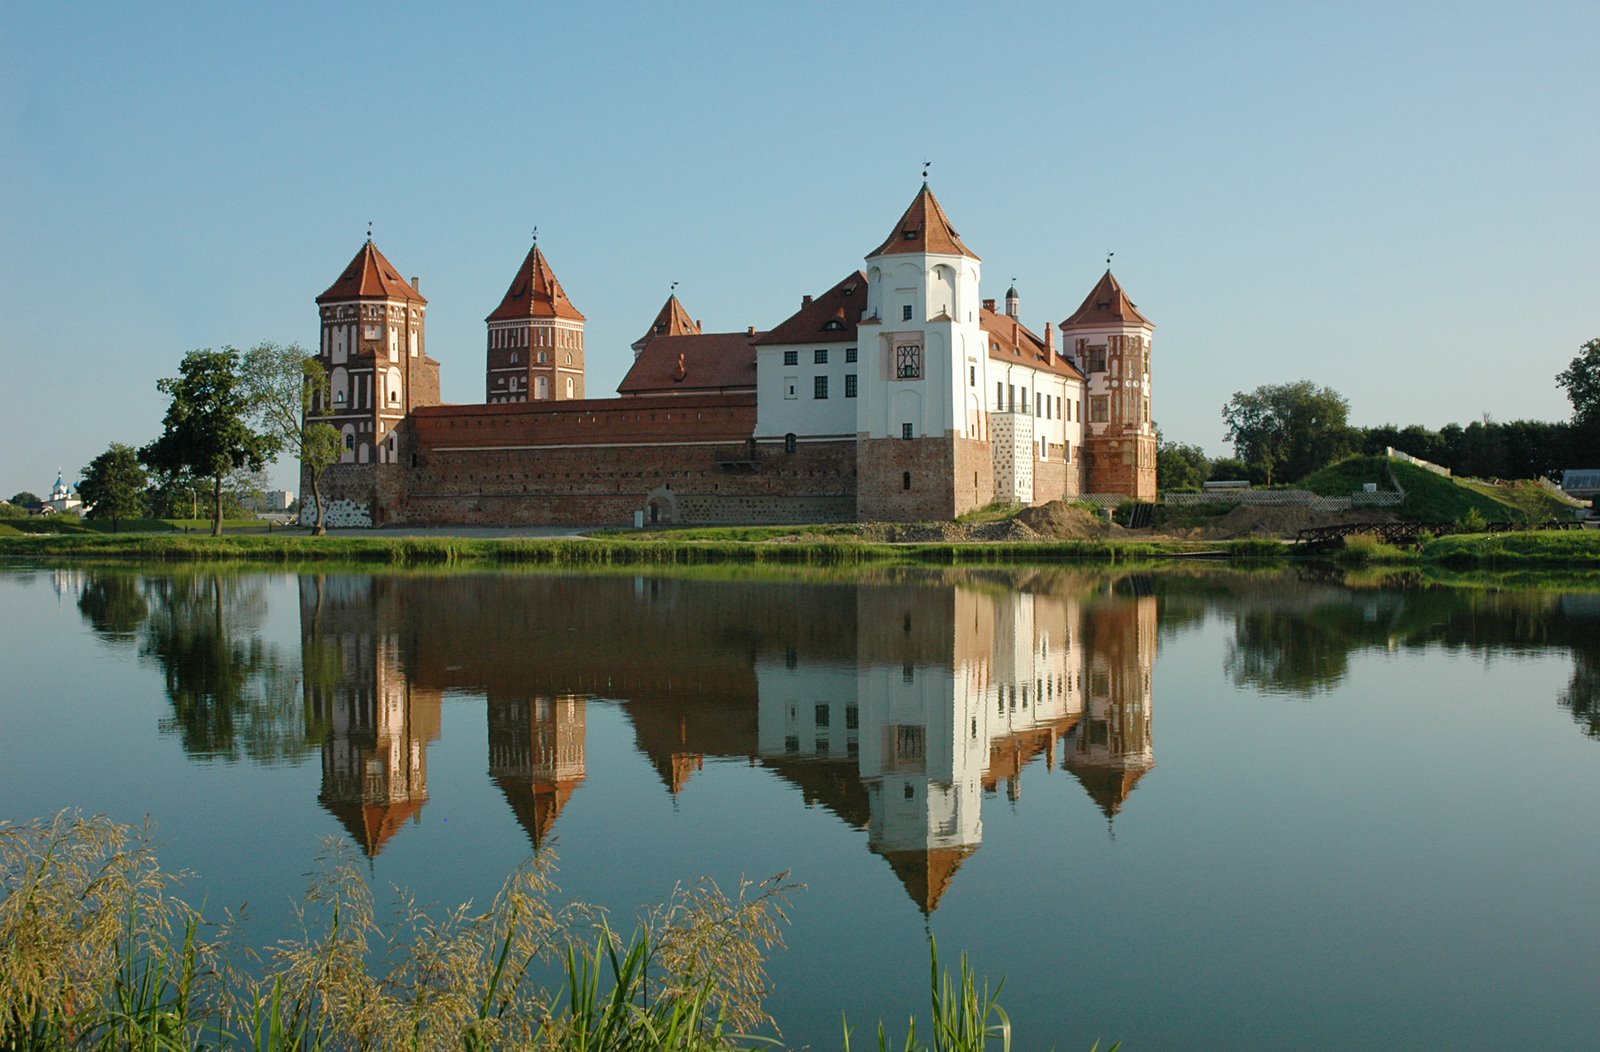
[[1011, 341], [717, 361], [924, 228], [535, 293], [671, 320], [370, 276], [1107, 304], [829, 318], [926, 874]]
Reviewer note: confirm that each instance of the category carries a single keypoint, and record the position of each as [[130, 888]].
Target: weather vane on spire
[[674, 289], [536, 233], [1108, 259], [925, 166], [369, 230]]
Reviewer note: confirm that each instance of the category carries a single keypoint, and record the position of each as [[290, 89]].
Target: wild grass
[[1365, 549], [98, 953]]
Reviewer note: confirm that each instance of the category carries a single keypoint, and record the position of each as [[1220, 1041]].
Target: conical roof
[[671, 320], [535, 293], [373, 825], [1109, 785], [1107, 304], [370, 276], [927, 874], [537, 806], [924, 228]]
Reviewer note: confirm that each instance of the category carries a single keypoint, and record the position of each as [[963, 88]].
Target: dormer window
[[834, 325], [910, 233]]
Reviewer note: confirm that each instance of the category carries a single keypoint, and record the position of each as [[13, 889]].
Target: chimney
[[1049, 343], [805, 301], [750, 331], [988, 305], [416, 283]]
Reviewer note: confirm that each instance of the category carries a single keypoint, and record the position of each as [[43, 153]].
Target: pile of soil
[[1059, 521], [1258, 520]]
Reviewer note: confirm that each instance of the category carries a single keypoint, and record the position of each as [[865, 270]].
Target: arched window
[[569, 385], [788, 442], [541, 387], [905, 480]]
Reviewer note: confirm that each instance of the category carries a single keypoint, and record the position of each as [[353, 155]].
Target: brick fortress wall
[[599, 462]]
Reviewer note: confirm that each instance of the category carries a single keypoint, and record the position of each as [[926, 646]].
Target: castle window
[[972, 376], [905, 476], [999, 396], [819, 357], [1058, 406], [905, 432], [1099, 409], [788, 447], [791, 357], [852, 717], [849, 355], [394, 396], [822, 717], [905, 312], [789, 384], [819, 387], [349, 441], [908, 361], [569, 387], [513, 357], [567, 359], [1095, 359], [850, 385]]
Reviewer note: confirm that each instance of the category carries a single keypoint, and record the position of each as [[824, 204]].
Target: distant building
[[898, 394], [1583, 484], [64, 498], [276, 500]]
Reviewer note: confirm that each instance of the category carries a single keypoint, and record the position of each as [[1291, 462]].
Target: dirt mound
[[1062, 522], [1256, 520]]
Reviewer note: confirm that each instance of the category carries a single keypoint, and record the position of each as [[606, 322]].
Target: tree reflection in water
[[234, 696]]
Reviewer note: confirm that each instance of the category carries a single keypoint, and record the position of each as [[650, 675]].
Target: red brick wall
[[881, 466]]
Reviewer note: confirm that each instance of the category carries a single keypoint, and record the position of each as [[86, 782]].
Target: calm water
[[1233, 810]]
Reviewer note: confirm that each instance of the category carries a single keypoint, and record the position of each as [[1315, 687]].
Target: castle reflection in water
[[896, 706]]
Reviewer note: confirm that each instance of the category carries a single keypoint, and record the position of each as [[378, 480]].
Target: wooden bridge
[[1411, 534]]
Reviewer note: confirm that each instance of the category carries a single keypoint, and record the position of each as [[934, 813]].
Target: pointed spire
[[927, 874], [671, 320], [370, 276], [535, 292], [923, 228], [1107, 304]]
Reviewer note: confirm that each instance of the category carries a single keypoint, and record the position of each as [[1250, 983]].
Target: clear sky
[[1399, 200]]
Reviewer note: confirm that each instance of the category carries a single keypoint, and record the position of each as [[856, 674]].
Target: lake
[[1236, 809]]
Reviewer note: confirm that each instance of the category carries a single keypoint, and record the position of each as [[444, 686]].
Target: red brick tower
[[375, 351], [1110, 340], [535, 341]]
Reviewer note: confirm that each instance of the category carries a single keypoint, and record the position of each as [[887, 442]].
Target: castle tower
[[535, 340], [536, 756], [375, 352], [671, 320], [1110, 340], [1111, 749], [921, 436]]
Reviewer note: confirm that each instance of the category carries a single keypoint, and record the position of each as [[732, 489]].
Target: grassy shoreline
[[1574, 549]]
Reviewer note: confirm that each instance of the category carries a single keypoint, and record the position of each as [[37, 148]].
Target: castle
[[899, 394]]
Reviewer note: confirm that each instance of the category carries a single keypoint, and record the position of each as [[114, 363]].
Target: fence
[[1289, 498], [1426, 465]]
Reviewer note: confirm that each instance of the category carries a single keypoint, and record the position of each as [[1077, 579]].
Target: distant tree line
[[1282, 433]]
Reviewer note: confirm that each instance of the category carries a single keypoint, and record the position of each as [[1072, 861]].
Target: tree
[[1229, 469], [1287, 431], [1582, 380], [114, 485], [284, 384], [1180, 466], [206, 431], [24, 499]]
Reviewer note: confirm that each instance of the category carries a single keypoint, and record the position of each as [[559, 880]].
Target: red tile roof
[[830, 318], [671, 320], [1107, 305], [535, 293], [924, 228], [370, 276], [714, 361], [1012, 341], [927, 874]]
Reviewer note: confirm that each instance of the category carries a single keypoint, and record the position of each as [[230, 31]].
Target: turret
[[1109, 339], [535, 338]]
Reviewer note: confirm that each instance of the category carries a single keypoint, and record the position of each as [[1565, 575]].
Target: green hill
[[1435, 498]]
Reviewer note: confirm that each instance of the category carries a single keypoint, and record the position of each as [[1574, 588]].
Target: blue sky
[[1400, 201]]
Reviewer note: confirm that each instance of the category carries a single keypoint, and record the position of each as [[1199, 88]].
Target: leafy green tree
[[1229, 469], [114, 485], [1287, 431], [22, 498], [1582, 380], [207, 429], [285, 383], [1180, 466]]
